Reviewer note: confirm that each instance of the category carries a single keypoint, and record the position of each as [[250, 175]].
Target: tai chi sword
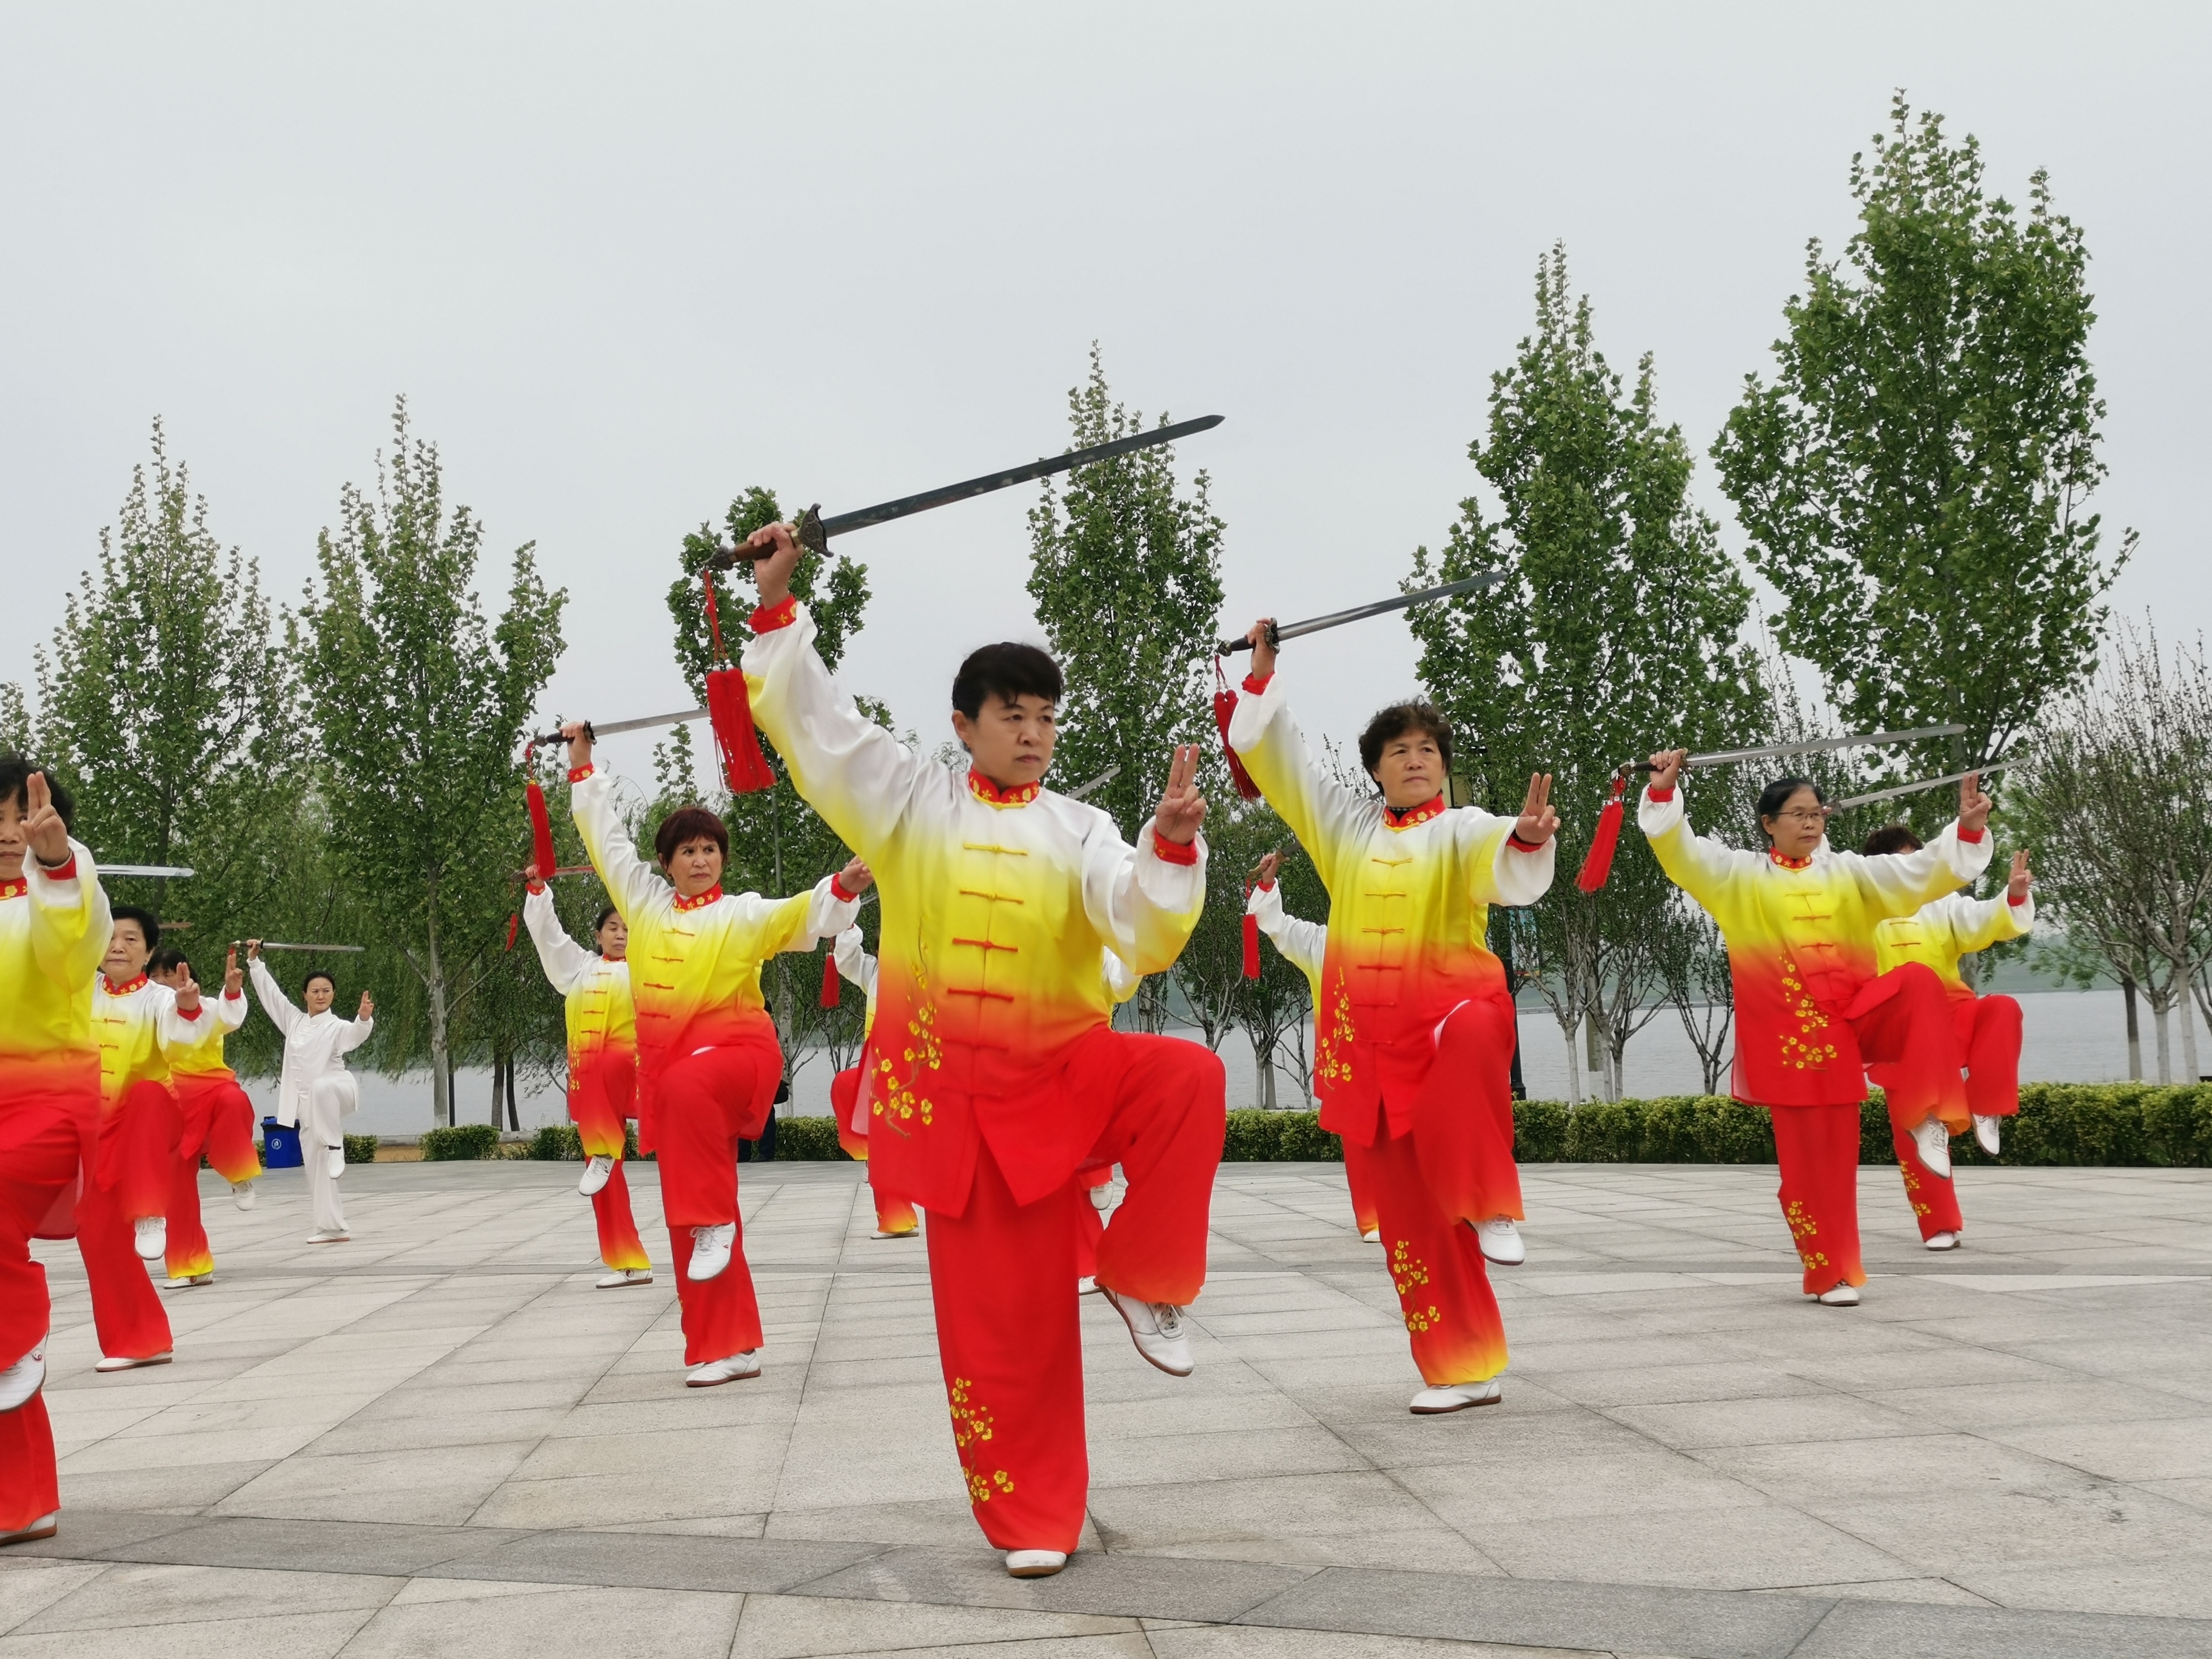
[[273, 944], [1812, 746], [1896, 790], [1276, 634]]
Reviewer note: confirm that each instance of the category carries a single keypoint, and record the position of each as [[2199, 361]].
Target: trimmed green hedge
[[559, 1142], [360, 1149], [461, 1141], [808, 1139]]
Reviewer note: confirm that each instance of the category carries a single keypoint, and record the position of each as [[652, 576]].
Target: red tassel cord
[[832, 984], [514, 922], [729, 712], [541, 831], [1251, 946], [1224, 705], [1603, 839]]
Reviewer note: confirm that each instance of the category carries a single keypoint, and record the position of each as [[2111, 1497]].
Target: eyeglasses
[[1800, 816]]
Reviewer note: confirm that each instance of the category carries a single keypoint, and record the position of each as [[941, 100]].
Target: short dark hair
[[168, 960], [609, 911], [15, 785], [1393, 722], [149, 925], [1009, 671], [1780, 792], [322, 974], [1892, 838], [689, 823]]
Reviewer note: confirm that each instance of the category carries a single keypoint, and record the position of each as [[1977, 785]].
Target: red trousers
[[39, 1150], [1818, 1148], [893, 1215], [138, 1138], [1090, 1219], [1002, 1278], [1463, 1116], [1436, 1268], [1360, 1176], [707, 1103], [1908, 1036], [1989, 1031], [1934, 1199], [132, 1166], [217, 1119], [598, 1102]]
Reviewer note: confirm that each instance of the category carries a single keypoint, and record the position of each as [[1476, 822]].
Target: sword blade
[[1812, 746], [613, 728], [272, 944], [1084, 792], [1380, 608], [1873, 796], [144, 869]]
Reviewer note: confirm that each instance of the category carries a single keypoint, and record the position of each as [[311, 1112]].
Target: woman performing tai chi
[[315, 1092], [994, 1073], [594, 989], [216, 1116], [1304, 945], [54, 928], [1988, 1028], [1415, 1029], [707, 1058], [1812, 1013], [894, 1217]]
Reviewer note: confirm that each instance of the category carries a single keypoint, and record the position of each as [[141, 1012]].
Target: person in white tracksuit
[[315, 1091]]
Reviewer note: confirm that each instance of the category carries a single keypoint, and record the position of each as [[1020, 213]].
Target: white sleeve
[[1897, 883], [1121, 982], [1510, 876], [274, 1003], [633, 885], [352, 1034], [1140, 904], [1701, 866], [231, 1010], [173, 1027], [566, 962], [1317, 809], [69, 918], [853, 961], [1302, 944]]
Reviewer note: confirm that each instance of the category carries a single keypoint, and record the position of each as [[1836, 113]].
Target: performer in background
[[594, 989], [894, 1217], [1415, 1029], [315, 1093], [1304, 945], [122, 1220], [1812, 1012], [708, 1060], [53, 931], [994, 1073], [216, 1116], [1988, 1028]]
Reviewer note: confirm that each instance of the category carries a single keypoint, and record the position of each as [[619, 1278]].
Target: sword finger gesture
[[1973, 805], [1538, 822], [1181, 810]]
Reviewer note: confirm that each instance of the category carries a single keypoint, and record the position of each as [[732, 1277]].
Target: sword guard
[[1231, 647], [808, 526], [590, 736]]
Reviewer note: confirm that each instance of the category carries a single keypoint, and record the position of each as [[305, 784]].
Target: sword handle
[[810, 537], [1231, 647], [590, 736]]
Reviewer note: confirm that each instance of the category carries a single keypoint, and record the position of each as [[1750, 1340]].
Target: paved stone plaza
[[441, 1439]]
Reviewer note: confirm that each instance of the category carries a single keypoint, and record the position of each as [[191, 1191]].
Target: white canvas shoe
[[622, 1276], [1931, 1144], [1502, 1242], [1839, 1296], [125, 1363], [334, 1161], [1086, 1285], [149, 1236], [1985, 1131], [1456, 1397], [1372, 1236], [736, 1368], [1102, 1198], [710, 1251], [24, 1378], [328, 1235], [243, 1193], [45, 1527], [598, 1171], [1034, 1563], [1156, 1329], [1943, 1242]]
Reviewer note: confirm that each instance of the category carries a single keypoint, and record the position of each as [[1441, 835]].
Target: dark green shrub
[[807, 1138], [558, 1143], [360, 1149], [462, 1141]]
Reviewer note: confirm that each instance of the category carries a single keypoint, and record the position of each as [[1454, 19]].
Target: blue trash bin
[[280, 1146]]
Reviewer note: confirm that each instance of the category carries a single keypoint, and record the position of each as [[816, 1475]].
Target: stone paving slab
[[439, 1437]]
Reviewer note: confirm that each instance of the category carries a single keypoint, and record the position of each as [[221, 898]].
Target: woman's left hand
[[1538, 822], [368, 1006], [856, 877]]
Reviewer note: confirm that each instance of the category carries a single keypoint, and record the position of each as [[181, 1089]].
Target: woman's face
[[318, 995], [696, 865], [614, 940], [1799, 827]]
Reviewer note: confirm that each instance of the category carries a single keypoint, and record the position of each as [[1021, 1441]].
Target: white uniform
[[315, 1091]]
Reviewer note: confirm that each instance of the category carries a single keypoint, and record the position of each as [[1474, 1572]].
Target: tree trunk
[[1603, 1085], [441, 1071], [2189, 1073], [2135, 1029], [1574, 1067], [2165, 1043]]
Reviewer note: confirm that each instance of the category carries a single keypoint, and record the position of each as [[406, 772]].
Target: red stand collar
[[124, 989], [16, 888], [991, 795], [1432, 808], [1789, 863], [701, 901]]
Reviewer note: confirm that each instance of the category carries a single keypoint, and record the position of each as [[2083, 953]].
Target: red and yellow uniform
[[135, 1023], [1988, 1028], [992, 1072], [707, 1058], [1304, 945], [1413, 1025], [53, 932], [1813, 1010], [602, 1026], [214, 1118], [894, 1217]]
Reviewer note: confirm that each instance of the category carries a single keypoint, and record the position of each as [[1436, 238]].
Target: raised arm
[[853, 961], [70, 921], [767, 926], [1703, 868], [1303, 943], [355, 1031], [634, 886], [274, 1003], [1144, 901], [565, 962], [1320, 811]]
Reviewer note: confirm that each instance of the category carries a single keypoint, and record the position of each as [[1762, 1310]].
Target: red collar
[[1789, 863], [1432, 808], [14, 888], [991, 795], [701, 901], [124, 989]]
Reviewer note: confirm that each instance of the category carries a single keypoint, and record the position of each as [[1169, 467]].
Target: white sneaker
[[598, 1171], [243, 1194], [1456, 1397], [327, 1236], [1839, 1296], [1086, 1285], [125, 1362], [334, 1161], [1943, 1241], [1931, 1144], [1502, 1242], [1034, 1563], [1985, 1131], [622, 1276], [737, 1367], [24, 1378], [45, 1527], [1156, 1329], [710, 1251], [1372, 1236], [1102, 1198], [150, 1237]]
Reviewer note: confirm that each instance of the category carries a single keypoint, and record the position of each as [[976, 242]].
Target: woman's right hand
[[253, 950], [577, 735], [1261, 634], [1667, 767]]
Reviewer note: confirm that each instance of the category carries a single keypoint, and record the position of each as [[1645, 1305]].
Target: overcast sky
[[624, 262]]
